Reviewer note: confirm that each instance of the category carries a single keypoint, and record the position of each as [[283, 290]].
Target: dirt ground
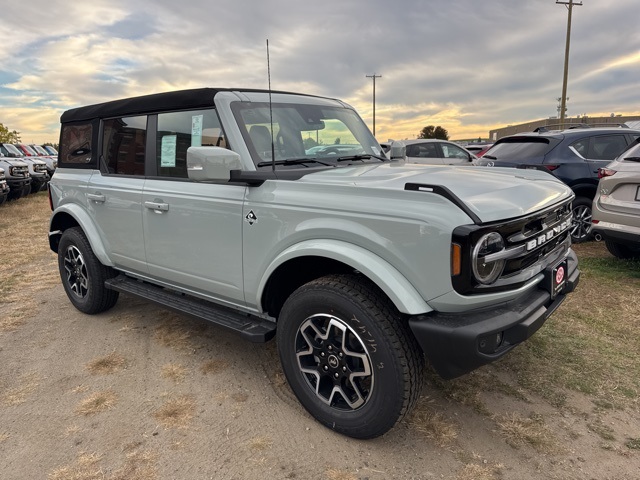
[[141, 393]]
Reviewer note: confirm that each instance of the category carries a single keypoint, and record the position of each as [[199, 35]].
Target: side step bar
[[252, 328]]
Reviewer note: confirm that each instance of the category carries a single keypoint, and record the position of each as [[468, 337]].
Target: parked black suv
[[573, 155]]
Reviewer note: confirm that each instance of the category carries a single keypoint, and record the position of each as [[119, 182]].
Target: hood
[[13, 162], [492, 194]]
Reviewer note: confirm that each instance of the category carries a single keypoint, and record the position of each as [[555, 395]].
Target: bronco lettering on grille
[[548, 235]]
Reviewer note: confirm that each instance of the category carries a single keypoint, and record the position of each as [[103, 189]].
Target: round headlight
[[484, 271]]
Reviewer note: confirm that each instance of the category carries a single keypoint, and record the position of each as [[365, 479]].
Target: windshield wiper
[[490, 157], [364, 156], [294, 161]]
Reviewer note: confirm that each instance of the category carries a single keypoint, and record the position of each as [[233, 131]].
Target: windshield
[[30, 150], [12, 149], [302, 131], [39, 150]]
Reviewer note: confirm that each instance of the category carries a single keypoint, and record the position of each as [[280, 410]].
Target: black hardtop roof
[[177, 100]]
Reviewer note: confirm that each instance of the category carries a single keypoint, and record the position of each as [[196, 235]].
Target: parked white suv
[[616, 206], [207, 202]]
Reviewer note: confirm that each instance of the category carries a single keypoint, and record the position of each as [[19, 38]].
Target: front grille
[[20, 171], [532, 243]]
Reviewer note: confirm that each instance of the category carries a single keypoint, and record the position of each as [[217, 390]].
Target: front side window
[[123, 145], [302, 131], [607, 147], [76, 144], [177, 131], [453, 151]]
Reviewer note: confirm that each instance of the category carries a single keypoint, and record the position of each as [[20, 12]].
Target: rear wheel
[[83, 275], [581, 225], [622, 251], [349, 356]]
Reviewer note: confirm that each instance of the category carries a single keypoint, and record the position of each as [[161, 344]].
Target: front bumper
[[457, 343], [39, 182]]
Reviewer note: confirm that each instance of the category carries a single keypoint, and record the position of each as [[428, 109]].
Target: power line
[[374, 76], [563, 104]]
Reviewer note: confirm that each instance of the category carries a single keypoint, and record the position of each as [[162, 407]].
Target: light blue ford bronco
[[278, 214]]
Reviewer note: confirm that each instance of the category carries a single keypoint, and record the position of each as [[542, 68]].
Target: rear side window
[[521, 148], [177, 131], [76, 142], [123, 145]]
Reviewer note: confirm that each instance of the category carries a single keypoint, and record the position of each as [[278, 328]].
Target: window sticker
[[168, 151], [196, 130]]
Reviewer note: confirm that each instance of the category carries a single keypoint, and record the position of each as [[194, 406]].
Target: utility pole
[[563, 104], [374, 76]]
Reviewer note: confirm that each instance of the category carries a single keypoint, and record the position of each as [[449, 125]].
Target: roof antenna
[[273, 148]]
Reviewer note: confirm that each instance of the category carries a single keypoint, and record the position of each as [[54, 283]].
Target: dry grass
[[240, 397], [71, 430], [137, 466], [86, 467], [590, 345], [34, 266], [174, 334], [177, 412], [432, 424], [260, 443], [174, 372], [97, 402], [15, 318], [334, 474], [473, 471], [531, 431], [214, 366], [26, 385], [106, 365]]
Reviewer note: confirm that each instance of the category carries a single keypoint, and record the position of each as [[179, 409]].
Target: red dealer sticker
[[557, 279]]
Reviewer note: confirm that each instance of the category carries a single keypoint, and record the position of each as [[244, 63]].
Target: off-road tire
[[373, 333], [581, 226], [83, 275]]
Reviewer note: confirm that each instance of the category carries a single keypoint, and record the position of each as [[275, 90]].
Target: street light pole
[[374, 76], [563, 104]]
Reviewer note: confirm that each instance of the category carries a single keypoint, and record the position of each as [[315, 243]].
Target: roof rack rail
[[546, 128], [570, 126], [606, 124]]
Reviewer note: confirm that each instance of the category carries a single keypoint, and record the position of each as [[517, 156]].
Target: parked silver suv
[[207, 202], [616, 207]]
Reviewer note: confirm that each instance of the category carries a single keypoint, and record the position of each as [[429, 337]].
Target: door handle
[[157, 207], [96, 197]]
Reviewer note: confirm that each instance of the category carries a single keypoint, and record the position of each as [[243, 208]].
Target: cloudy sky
[[467, 65]]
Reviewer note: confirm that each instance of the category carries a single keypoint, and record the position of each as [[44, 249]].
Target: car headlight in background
[[487, 272]]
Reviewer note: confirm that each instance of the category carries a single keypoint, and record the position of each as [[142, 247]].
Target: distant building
[[553, 123]]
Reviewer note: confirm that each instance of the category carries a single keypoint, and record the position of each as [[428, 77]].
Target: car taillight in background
[[605, 172]]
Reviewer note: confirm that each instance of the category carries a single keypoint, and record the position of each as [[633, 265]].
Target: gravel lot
[[141, 393]]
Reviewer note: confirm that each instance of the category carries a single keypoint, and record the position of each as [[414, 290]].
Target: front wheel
[[83, 275], [349, 356], [581, 225]]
